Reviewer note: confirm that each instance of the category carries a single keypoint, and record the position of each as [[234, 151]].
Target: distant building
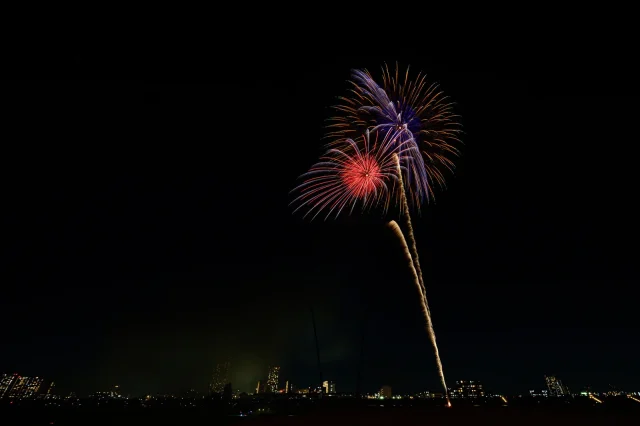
[[467, 389], [555, 386], [262, 387], [104, 396], [385, 392], [328, 387], [544, 393], [33, 387], [25, 387], [272, 379], [220, 378], [18, 387], [7, 381], [227, 393], [289, 387]]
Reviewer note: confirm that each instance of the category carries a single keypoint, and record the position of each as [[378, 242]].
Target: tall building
[[18, 387], [272, 379], [328, 387], [33, 387], [385, 391], [220, 377], [555, 386], [50, 393], [6, 384], [289, 387], [467, 389]]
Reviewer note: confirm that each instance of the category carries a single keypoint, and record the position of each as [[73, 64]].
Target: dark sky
[[146, 233]]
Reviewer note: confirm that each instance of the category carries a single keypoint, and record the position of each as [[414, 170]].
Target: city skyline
[[471, 389], [15, 386]]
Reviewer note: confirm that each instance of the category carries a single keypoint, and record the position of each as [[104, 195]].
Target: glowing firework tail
[[404, 207], [423, 299], [404, 210]]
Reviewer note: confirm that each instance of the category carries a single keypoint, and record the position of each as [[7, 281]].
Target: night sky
[[146, 232]]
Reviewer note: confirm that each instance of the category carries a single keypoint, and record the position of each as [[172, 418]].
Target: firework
[[418, 130], [415, 112], [423, 300], [355, 171]]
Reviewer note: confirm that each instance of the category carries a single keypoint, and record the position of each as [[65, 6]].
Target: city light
[[329, 387], [15, 388], [220, 378], [385, 392], [19, 387], [467, 389], [555, 386], [272, 379], [633, 398], [594, 398]]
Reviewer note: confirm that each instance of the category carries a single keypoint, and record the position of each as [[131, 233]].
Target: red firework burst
[[363, 171], [363, 176]]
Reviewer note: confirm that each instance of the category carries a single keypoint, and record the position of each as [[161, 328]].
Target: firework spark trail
[[423, 299], [404, 210]]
